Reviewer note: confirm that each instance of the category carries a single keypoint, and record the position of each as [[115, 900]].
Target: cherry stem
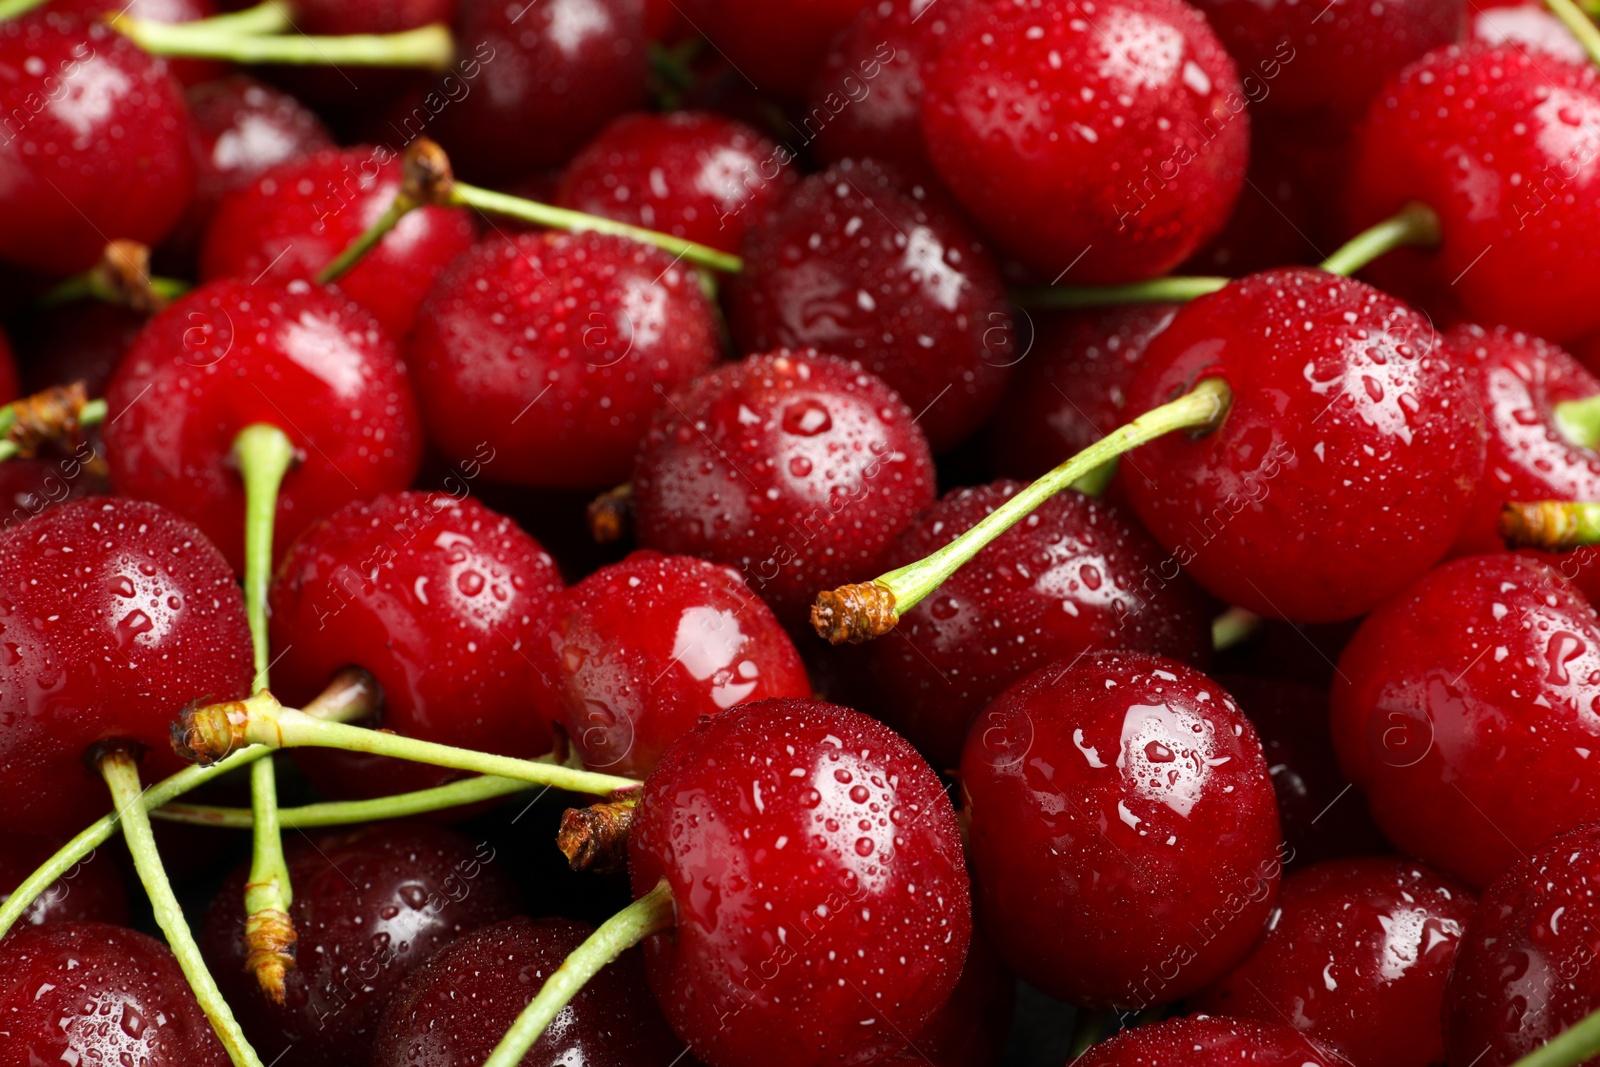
[[1579, 23], [652, 913], [10, 9], [122, 278], [211, 732], [1578, 421], [430, 47], [269, 17], [121, 773], [1413, 226], [346, 812], [1550, 525], [596, 838], [425, 178], [1574, 1045], [1174, 289], [1233, 627], [51, 416], [610, 515], [857, 613]]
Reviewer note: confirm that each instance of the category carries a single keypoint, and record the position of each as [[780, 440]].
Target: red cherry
[[640, 650], [1123, 831], [1355, 957], [451, 1011], [821, 899], [89, 992], [370, 905], [187, 71], [1274, 219], [780, 46], [972, 1027], [1420, 722], [1208, 1041], [851, 265], [100, 144], [444, 602], [9, 389], [1524, 24], [796, 468], [1134, 117], [543, 355], [691, 174], [29, 486], [230, 354], [336, 17], [1345, 465], [1485, 137], [91, 890], [113, 614]]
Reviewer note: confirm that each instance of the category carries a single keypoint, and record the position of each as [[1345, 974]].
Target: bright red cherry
[[91, 890], [1355, 957], [1135, 117], [851, 265], [232, 353], [1123, 832], [780, 46], [1525, 24], [1208, 1041], [551, 350], [821, 897], [1421, 723], [113, 614], [97, 143], [688, 173], [89, 992], [1345, 465], [1493, 140], [796, 468]]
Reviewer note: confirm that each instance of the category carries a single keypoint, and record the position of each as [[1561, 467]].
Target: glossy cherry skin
[[1345, 464], [1355, 957], [851, 265], [1208, 1041], [779, 45], [297, 217], [369, 906], [29, 486], [1123, 832], [640, 650], [971, 1029], [91, 890], [114, 614], [1074, 575], [553, 349], [444, 602], [1506, 177], [1482, 657], [1030, 105], [89, 992], [100, 144], [298, 356], [822, 901], [1524, 971], [688, 173], [798, 469], [451, 1011], [1525, 24]]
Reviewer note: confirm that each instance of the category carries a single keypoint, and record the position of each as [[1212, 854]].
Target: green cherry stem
[[430, 47], [347, 812], [10, 9], [269, 17], [860, 612], [1574, 1045], [121, 773], [1578, 421], [1233, 627], [1579, 23], [1413, 226], [652, 913], [1550, 525]]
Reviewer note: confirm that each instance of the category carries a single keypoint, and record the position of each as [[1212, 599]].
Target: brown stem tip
[[854, 613], [124, 271], [611, 515], [426, 177], [596, 838], [52, 415], [207, 733], [269, 939], [1547, 525]]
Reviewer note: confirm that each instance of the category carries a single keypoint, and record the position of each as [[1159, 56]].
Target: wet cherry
[[91, 890], [1208, 1041], [187, 71], [1525, 24], [970, 1030], [781, 45]]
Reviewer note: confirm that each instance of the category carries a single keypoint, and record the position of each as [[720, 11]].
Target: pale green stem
[[347, 812], [1415, 225], [364, 242], [1578, 421], [430, 47], [1233, 627], [1580, 24], [1574, 1045], [1175, 289]]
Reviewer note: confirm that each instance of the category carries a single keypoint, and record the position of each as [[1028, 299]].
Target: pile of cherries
[[495, 404]]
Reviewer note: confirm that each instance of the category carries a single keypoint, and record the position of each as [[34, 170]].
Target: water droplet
[[806, 418], [864, 846]]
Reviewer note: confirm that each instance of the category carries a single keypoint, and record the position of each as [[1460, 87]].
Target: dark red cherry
[[453, 1009], [187, 71], [336, 17], [97, 143], [1134, 116], [1345, 465], [29, 486], [688, 173], [78, 342], [638, 651], [1123, 832], [1277, 219], [853, 266], [90, 890], [1074, 575], [298, 216], [1208, 1041], [1421, 721], [370, 905], [821, 897], [90, 992], [1355, 957], [232, 353], [1525, 24], [972, 1027], [796, 468], [1492, 139], [779, 46], [113, 614], [9, 389], [444, 602]]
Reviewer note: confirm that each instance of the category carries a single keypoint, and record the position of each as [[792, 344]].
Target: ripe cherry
[[1420, 722], [188, 71], [1355, 957], [780, 45], [837, 824], [1123, 831], [796, 468], [113, 613], [1345, 465], [971, 1029], [1208, 1041], [551, 350], [91, 890], [853, 266], [298, 356], [1136, 117], [90, 992]]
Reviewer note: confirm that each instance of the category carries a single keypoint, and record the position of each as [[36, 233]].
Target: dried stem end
[[1548, 525], [124, 273], [611, 515], [854, 614], [208, 733], [426, 177], [269, 939], [50, 416], [596, 838]]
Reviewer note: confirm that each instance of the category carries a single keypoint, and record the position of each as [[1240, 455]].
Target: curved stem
[[1578, 421], [1550, 525], [10, 9], [1582, 28], [1175, 289], [1233, 627], [264, 454], [1574, 1045], [345, 812], [1414, 225], [652, 913], [367, 239], [430, 47], [122, 776], [269, 17]]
